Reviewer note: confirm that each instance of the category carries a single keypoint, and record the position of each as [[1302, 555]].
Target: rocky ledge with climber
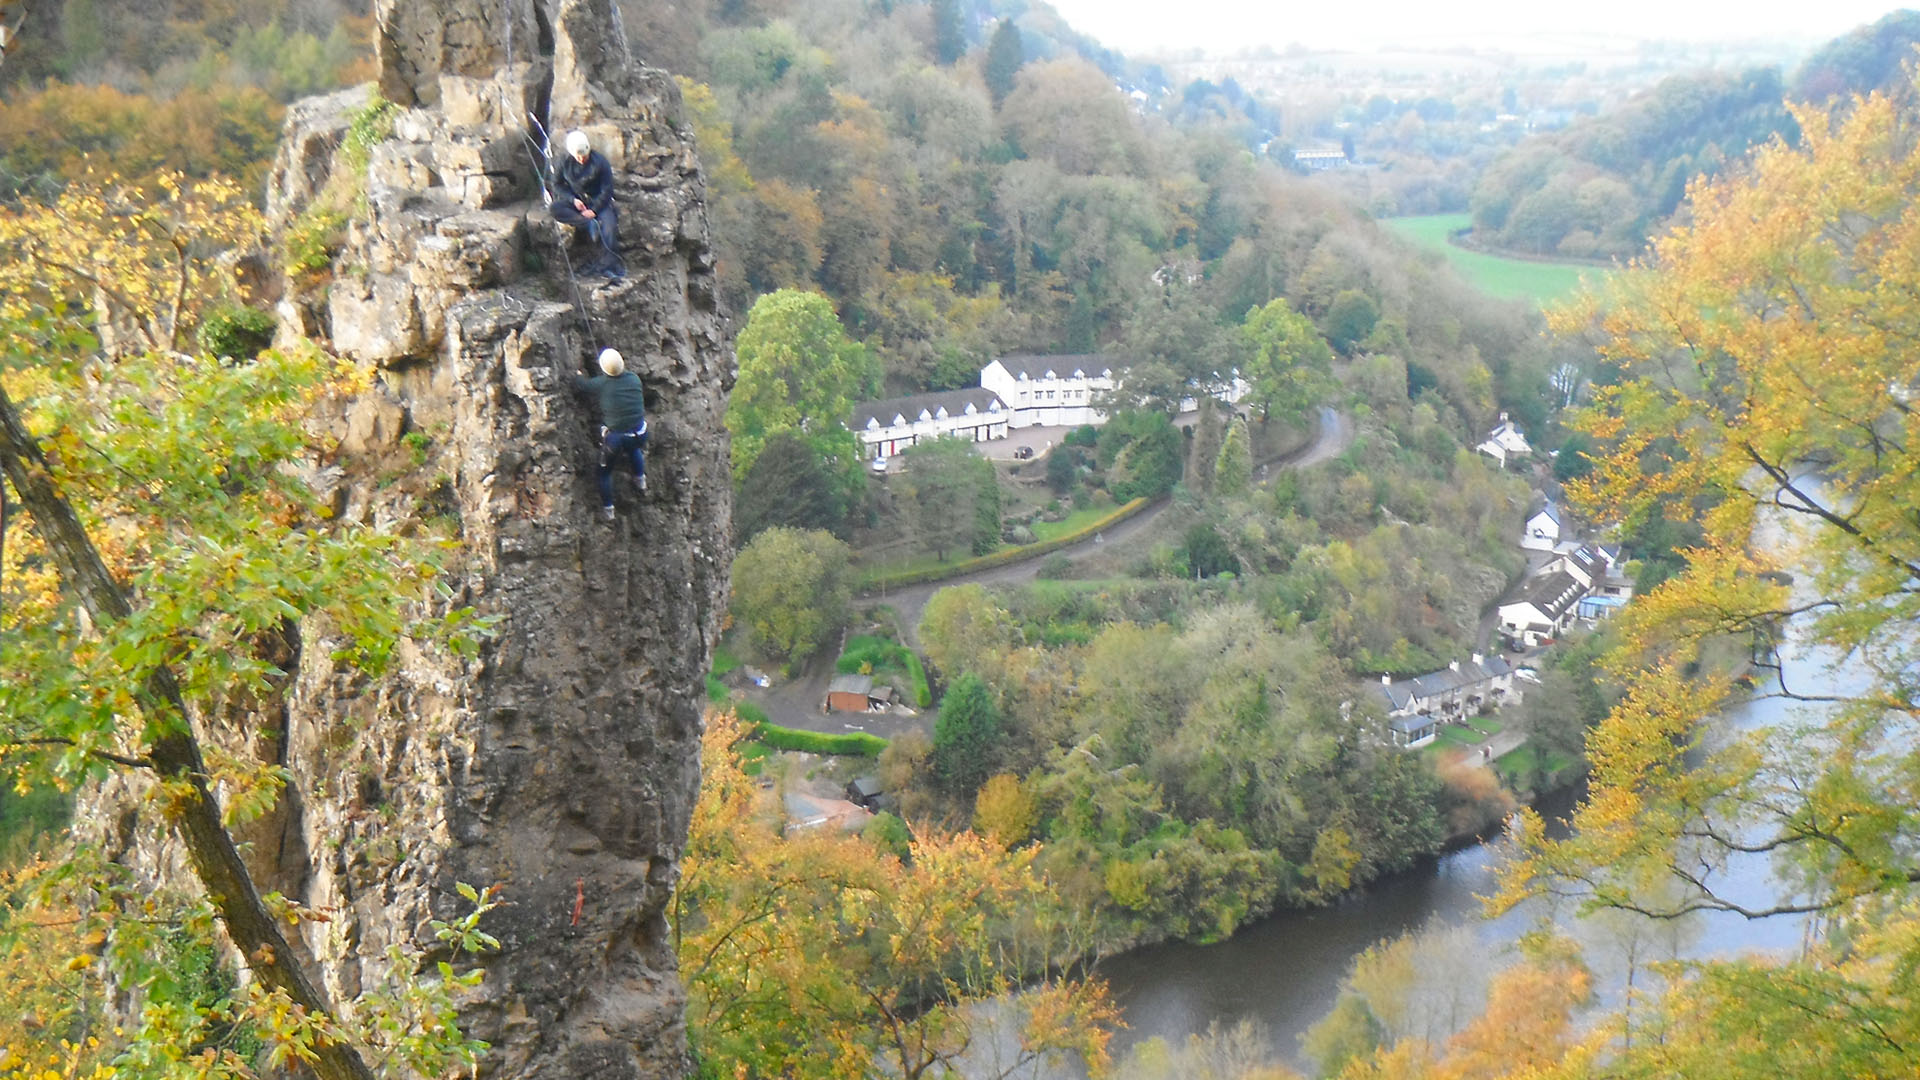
[[561, 762]]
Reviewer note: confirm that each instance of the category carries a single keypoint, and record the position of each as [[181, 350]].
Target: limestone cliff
[[562, 762]]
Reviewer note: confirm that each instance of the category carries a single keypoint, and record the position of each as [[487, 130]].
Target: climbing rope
[[540, 154]]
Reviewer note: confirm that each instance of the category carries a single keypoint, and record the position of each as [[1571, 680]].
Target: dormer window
[[941, 413], [873, 423], [970, 409], [1051, 375], [924, 415], [899, 420], [1023, 376]]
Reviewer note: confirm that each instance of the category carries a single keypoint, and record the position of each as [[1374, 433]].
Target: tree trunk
[[175, 753]]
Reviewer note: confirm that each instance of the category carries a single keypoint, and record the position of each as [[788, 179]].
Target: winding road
[[1332, 439], [796, 703]]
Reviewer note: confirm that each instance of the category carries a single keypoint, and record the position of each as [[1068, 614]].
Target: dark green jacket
[[623, 405]]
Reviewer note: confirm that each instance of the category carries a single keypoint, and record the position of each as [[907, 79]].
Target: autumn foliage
[[818, 954]]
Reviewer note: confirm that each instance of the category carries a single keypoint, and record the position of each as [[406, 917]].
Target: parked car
[[1023, 452], [878, 465]]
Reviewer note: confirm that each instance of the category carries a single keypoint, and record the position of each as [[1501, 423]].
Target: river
[[1284, 972]]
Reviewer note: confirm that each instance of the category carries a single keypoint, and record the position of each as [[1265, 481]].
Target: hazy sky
[[1140, 26]]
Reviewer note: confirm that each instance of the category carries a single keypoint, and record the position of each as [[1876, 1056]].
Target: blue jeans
[[603, 227], [616, 444]]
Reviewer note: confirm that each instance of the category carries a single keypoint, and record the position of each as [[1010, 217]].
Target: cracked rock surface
[[561, 762]]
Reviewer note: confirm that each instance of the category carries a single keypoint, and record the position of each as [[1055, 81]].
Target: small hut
[[849, 693]]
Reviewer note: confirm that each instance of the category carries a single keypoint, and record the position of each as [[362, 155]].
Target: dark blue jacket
[[623, 402], [591, 183]]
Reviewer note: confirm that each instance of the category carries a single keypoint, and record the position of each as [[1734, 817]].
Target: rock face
[[561, 763]]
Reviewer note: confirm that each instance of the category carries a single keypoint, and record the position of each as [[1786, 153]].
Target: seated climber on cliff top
[[623, 422], [583, 198]]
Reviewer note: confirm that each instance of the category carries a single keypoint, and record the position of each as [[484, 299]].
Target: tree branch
[[103, 755], [175, 752], [1808, 505]]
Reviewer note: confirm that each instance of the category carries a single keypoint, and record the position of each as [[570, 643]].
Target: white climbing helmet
[[577, 143], [611, 362]]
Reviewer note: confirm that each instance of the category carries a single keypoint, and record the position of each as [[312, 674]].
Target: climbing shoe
[[606, 513], [641, 483]]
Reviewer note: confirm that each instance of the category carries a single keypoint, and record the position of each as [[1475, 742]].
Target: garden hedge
[[876, 582]]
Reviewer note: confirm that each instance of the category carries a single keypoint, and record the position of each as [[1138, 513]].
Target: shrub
[[235, 331], [313, 238]]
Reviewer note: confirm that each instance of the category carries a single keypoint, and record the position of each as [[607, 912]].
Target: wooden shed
[[848, 693]]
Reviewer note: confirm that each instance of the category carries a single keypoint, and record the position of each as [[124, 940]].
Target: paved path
[[795, 703]]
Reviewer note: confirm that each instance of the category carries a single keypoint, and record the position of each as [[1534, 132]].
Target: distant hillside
[[1603, 185], [1872, 57], [1596, 188]]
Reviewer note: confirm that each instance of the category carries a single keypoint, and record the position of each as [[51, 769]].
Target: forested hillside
[[1603, 186], [166, 84], [959, 190]]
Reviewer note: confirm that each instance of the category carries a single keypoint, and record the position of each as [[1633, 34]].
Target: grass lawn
[[1542, 282], [1454, 735], [1486, 725], [1079, 519], [1524, 762]]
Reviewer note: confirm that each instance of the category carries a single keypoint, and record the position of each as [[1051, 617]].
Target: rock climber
[[623, 422], [583, 198]]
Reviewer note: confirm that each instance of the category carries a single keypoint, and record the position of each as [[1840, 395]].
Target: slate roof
[[1550, 510], [1063, 366], [1402, 692], [850, 684], [910, 407], [1586, 560], [1552, 593]]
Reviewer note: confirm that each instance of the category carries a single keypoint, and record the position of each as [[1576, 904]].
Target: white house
[[1542, 531], [888, 427], [1063, 390], [1417, 707], [1506, 443], [1582, 562], [1330, 156], [1051, 390], [1544, 610]]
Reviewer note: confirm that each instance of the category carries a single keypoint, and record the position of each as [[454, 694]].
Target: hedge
[[852, 743], [875, 582]]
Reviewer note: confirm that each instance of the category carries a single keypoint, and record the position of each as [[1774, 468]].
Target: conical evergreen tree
[[1005, 55]]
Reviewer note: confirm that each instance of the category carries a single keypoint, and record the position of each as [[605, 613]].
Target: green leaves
[[798, 372]]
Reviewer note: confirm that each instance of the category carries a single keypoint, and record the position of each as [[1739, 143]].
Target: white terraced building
[[1418, 707], [1056, 391], [888, 427]]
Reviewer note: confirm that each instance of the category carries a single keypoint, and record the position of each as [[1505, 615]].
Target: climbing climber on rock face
[[623, 422], [583, 198]]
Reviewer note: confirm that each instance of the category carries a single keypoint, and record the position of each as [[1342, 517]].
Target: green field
[[1541, 282]]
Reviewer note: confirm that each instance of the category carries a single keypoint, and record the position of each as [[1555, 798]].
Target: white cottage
[[1051, 390], [1506, 443], [1543, 610], [1417, 707], [888, 427], [1542, 531]]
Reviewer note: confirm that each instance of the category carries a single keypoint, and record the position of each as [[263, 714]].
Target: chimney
[[1503, 416], [1478, 659], [1453, 665], [1386, 680]]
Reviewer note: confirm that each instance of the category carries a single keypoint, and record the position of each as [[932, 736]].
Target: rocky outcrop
[[561, 761]]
